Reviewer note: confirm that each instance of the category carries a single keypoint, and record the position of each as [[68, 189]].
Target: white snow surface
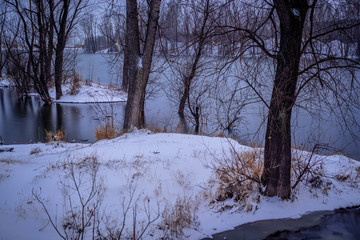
[[90, 93], [160, 168], [5, 82]]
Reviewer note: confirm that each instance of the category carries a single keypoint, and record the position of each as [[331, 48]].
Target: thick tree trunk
[[277, 157], [125, 80], [139, 66], [1, 58], [133, 52], [59, 59], [50, 47], [60, 46], [40, 73]]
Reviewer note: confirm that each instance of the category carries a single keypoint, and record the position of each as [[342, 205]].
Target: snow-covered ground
[[5, 82], [90, 93], [159, 178]]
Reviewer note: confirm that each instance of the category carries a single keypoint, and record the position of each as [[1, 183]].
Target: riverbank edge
[[85, 93], [281, 225]]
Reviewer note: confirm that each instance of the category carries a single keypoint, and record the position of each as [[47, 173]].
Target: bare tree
[[186, 58], [31, 35], [139, 61], [64, 15], [89, 26], [304, 46], [277, 161], [39, 20]]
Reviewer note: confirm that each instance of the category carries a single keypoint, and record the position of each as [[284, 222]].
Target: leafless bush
[[238, 176], [306, 169], [81, 213], [84, 215], [58, 136], [107, 121], [75, 85], [183, 214]]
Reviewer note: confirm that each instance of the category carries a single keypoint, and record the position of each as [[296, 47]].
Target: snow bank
[[158, 170], [90, 93]]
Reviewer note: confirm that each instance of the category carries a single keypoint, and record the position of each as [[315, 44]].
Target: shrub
[[106, 131], [75, 85], [179, 216], [307, 169], [58, 136], [239, 176]]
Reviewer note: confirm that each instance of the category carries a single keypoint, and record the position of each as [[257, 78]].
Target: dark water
[[322, 225], [25, 120]]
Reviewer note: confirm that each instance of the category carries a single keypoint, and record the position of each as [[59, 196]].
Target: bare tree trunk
[[63, 24], [40, 74], [1, 58], [50, 47], [59, 59], [2, 25], [277, 159], [184, 97], [60, 46], [3, 16], [139, 66], [125, 80]]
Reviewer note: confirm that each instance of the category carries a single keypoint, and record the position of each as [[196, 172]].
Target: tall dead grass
[[238, 176], [106, 130], [58, 136]]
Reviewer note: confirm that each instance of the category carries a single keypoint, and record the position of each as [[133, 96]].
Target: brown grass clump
[[239, 177], [58, 136], [75, 85], [183, 214], [106, 131]]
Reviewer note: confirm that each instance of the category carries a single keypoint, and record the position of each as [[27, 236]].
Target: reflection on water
[[322, 225], [24, 120], [343, 224]]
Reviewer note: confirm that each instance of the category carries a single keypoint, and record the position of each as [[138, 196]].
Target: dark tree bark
[[125, 80], [277, 158], [40, 73], [60, 46], [139, 64], [50, 47], [3, 14]]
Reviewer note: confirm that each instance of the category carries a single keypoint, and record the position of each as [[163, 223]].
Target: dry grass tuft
[[75, 85], [106, 131], [239, 177], [182, 215], [58, 136], [35, 150]]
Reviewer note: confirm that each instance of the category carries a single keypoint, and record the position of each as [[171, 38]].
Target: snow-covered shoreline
[[162, 170], [87, 92], [90, 93]]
